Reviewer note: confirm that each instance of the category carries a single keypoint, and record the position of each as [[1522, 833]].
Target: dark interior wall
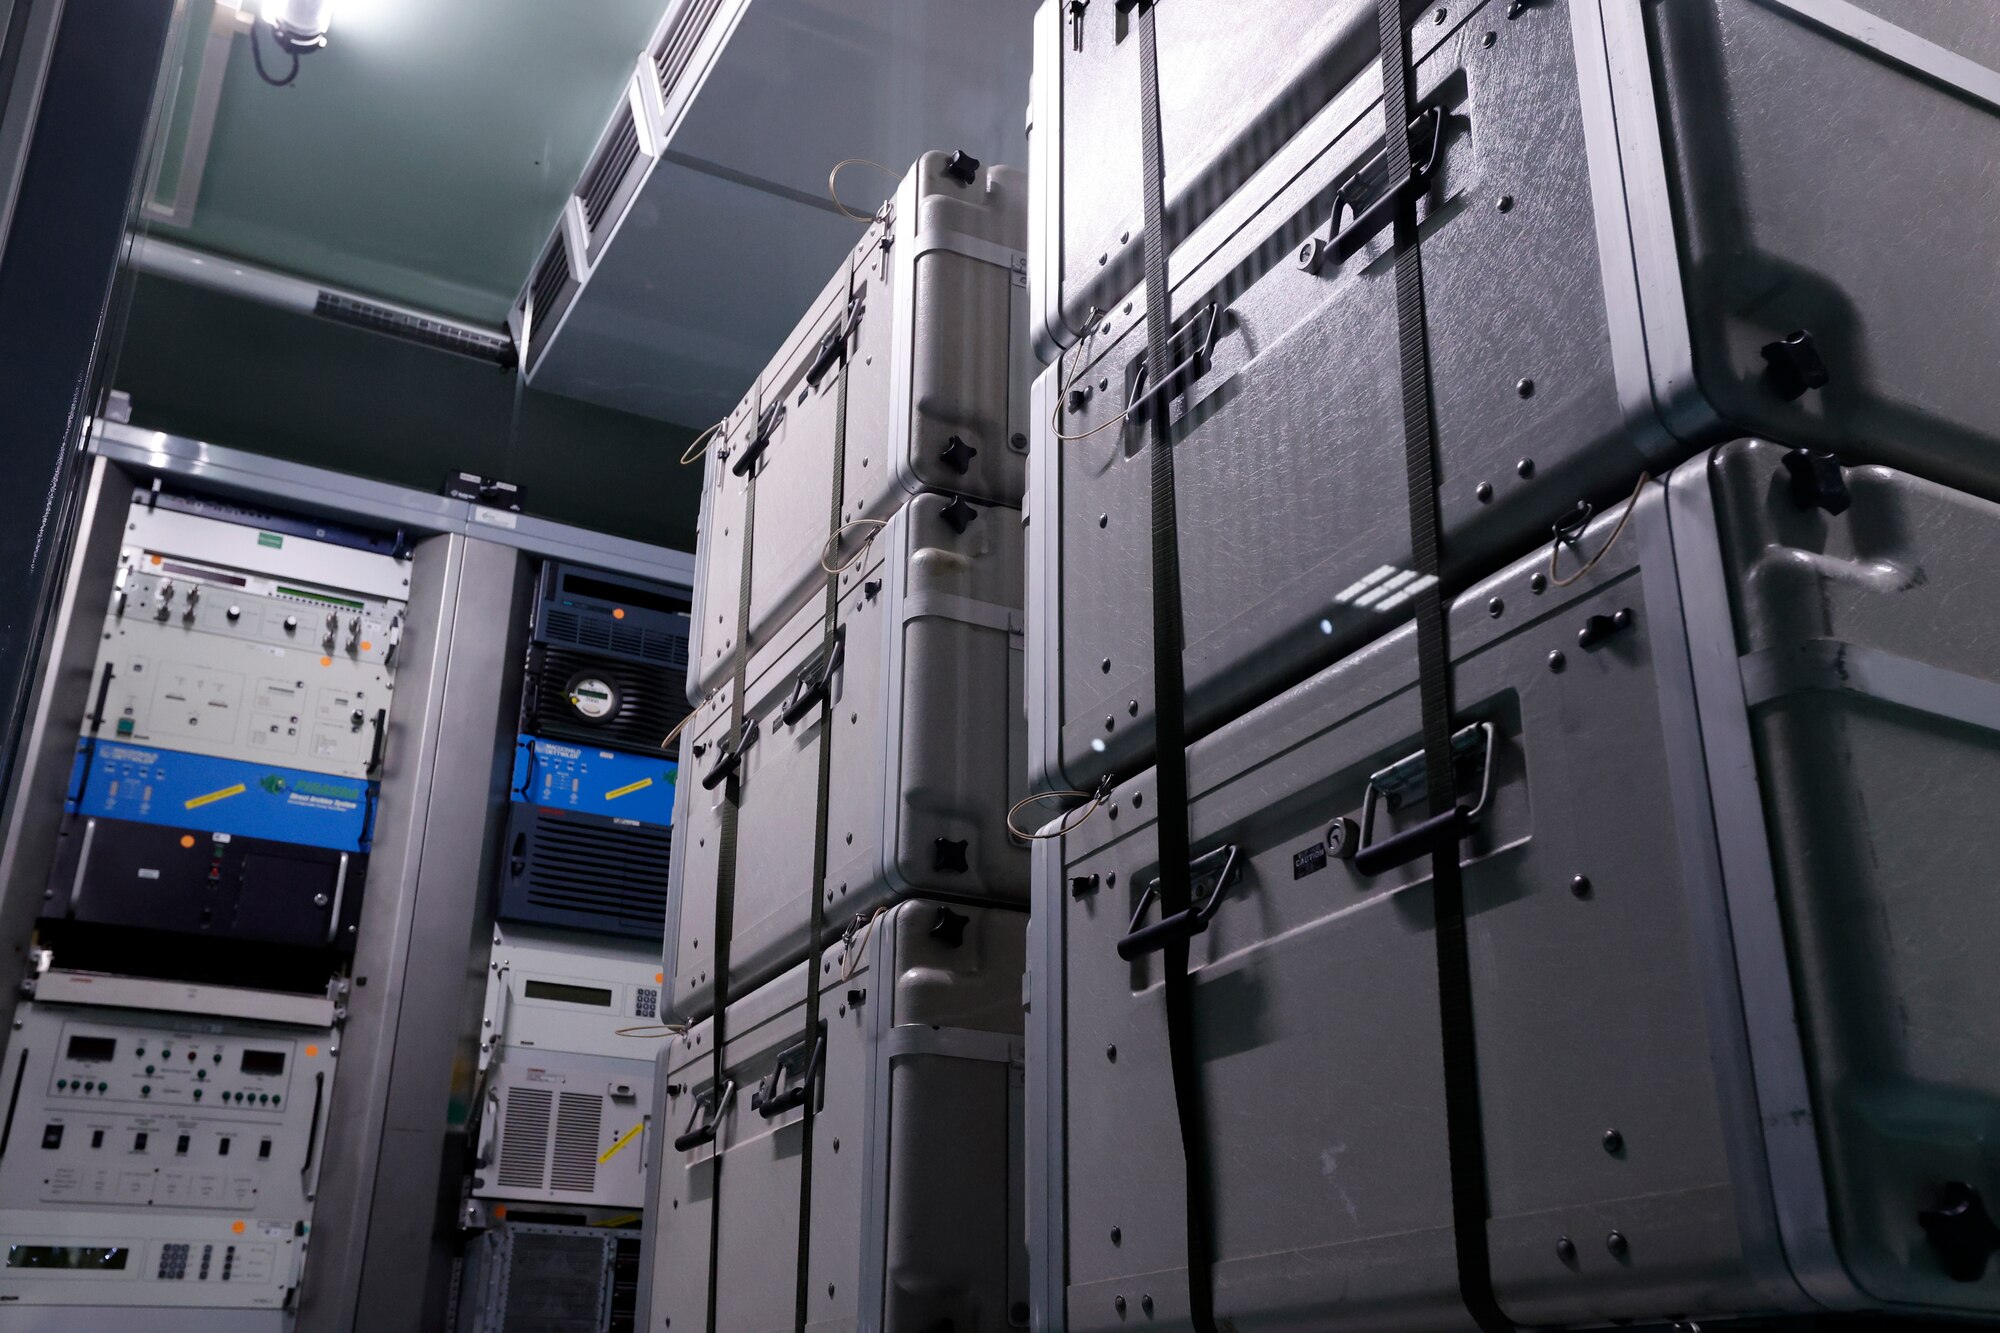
[[236, 373]]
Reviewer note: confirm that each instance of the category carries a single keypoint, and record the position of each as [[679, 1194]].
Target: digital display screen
[[92, 1048], [263, 1062], [94, 1258], [556, 990]]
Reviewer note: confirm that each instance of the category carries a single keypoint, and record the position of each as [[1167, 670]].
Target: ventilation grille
[[555, 1282], [607, 173], [579, 1126], [524, 1138], [677, 47], [587, 873], [665, 644], [413, 328], [650, 700], [549, 279]]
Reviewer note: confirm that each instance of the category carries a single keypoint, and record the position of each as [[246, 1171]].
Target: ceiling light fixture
[[298, 26]]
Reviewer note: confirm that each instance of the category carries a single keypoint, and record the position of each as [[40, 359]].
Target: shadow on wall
[[212, 367]]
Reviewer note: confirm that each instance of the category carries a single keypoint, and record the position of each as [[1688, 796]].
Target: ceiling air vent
[[450, 337], [551, 290], [601, 182], [613, 176], [676, 48]]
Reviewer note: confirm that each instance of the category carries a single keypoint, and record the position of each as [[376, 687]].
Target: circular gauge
[[593, 697]]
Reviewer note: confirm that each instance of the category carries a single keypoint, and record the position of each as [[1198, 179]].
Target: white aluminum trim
[[339, 896], [290, 485], [1044, 639], [902, 323], [1625, 317], [1834, 665], [326, 493], [964, 610], [1649, 211], [913, 1039], [1708, 906], [1051, 334], [894, 545], [880, 963], [1047, 1177], [61, 986], [1763, 975], [1898, 46]]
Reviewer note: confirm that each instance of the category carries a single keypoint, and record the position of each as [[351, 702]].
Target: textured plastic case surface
[[925, 681], [930, 314], [1626, 225], [916, 1186], [1726, 895]]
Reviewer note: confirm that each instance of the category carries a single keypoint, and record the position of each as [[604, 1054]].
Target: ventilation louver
[[524, 1138], [549, 294], [585, 872], [670, 61], [614, 161], [579, 1124]]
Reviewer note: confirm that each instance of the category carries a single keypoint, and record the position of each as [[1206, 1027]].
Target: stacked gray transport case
[[1727, 796], [1634, 206], [915, 1193], [846, 907], [1734, 1054]]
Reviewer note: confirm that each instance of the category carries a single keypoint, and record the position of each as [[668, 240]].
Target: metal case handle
[[1189, 921], [701, 1129], [770, 1103], [1372, 858]]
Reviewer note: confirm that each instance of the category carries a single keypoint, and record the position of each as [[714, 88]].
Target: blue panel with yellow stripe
[[118, 780], [559, 775]]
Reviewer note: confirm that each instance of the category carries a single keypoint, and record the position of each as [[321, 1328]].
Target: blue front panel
[[562, 776], [195, 791]]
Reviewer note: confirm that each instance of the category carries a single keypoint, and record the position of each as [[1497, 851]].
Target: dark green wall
[[232, 372]]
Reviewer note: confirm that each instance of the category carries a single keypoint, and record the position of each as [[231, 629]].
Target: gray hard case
[[929, 750], [1633, 201], [931, 307], [1730, 916], [917, 1141]]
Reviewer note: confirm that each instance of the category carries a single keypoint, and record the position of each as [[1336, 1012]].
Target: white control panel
[[554, 990], [226, 662], [158, 1159]]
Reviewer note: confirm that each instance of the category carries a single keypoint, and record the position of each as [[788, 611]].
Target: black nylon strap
[[836, 501], [725, 874], [1169, 697], [1465, 1141]]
